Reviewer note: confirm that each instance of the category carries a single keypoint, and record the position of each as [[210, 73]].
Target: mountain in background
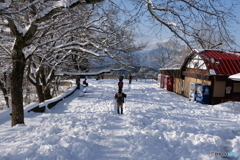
[[147, 58], [146, 61]]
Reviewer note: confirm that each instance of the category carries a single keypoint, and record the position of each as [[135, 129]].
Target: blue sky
[[155, 36]]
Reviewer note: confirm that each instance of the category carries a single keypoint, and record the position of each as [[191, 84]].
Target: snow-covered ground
[[156, 124]]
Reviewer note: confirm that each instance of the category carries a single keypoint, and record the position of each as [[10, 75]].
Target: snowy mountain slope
[[156, 124], [145, 58], [148, 60]]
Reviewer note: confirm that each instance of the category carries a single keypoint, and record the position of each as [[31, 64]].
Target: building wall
[[224, 91], [187, 81], [178, 85], [236, 87], [219, 88]]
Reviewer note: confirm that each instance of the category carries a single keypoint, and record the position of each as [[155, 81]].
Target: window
[[196, 62]]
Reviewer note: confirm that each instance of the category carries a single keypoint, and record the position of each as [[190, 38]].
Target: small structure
[[209, 68], [175, 83]]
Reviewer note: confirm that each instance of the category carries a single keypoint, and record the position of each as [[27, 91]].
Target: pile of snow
[[156, 124], [235, 77]]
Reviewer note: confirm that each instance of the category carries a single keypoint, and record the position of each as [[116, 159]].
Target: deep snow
[[157, 124]]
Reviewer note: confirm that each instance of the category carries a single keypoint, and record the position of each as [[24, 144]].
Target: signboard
[[228, 89]]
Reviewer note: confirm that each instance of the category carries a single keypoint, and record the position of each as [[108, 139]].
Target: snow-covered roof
[[235, 77], [162, 69]]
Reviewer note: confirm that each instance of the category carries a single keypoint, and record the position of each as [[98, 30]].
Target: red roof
[[222, 63]]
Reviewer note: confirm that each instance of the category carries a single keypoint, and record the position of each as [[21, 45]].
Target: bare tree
[[73, 42], [207, 37], [46, 34], [4, 88], [184, 17], [20, 21], [5, 77], [169, 53]]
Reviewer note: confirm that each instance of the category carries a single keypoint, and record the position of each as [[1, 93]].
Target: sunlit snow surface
[[156, 124]]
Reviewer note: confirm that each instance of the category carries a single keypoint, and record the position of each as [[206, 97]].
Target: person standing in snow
[[85, 82], [102, 75], [119, 96], [120, 85], [130, 78], [121, 78]]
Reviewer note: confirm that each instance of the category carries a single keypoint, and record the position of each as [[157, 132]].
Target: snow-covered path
[[156, 124]]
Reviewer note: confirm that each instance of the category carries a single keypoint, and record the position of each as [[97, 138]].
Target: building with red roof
[[211, 68]]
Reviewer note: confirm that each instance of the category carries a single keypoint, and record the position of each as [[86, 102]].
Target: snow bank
[[36, 107]]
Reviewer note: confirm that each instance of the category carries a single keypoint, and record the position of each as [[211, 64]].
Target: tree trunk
[[18, 65], [47, 93], [78, 82], [39, 87], [6, 97], [5, 94], [39, 93]]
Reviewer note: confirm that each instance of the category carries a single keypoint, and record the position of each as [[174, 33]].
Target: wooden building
[[178, 81], [208, 67]]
